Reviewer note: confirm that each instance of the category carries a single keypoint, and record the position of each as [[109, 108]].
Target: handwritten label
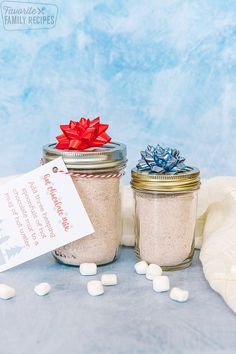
[[39, 212]]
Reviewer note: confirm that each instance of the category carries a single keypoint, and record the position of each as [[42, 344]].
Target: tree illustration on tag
[[13, 251], [10, 251], [3, 238]]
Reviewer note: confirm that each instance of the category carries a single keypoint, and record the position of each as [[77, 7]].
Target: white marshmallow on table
[[141, 267], [152, 271], [161, 283], [6, 292], [179, 295], [88, 268], [95, 288], [42, 289], [109, 279]]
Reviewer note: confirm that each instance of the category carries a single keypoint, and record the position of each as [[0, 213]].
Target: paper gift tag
[[39, 212]]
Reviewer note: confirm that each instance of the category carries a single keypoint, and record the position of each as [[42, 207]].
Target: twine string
[[85, 175]]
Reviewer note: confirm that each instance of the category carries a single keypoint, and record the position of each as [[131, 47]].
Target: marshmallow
[[161, 283], [6, 292], [233, 269], [88, 268], [179, 295], [141, 267], [42, 289], [152, 271], [109, 279], [95, 288]]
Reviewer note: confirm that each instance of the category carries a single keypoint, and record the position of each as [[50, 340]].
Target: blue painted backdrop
[[156, 71]]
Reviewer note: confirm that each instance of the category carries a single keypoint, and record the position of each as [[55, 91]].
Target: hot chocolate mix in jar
[[165, 192]]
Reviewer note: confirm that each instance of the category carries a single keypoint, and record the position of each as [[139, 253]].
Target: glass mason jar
[[165, 217], [96, 175]]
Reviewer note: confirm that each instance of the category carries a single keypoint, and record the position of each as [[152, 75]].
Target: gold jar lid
[[110, 156], [165, 183]]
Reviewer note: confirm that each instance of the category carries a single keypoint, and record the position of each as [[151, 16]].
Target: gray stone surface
[[128, 318]]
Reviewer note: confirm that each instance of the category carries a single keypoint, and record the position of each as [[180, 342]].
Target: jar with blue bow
[[165, 191]]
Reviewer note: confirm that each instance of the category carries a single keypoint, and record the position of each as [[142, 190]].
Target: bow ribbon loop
[[162, 160], [83, 134]]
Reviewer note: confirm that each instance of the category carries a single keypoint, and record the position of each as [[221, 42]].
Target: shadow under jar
[[165, 217], [96, 175]]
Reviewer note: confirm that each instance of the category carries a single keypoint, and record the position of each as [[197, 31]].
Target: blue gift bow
[[162, 160]]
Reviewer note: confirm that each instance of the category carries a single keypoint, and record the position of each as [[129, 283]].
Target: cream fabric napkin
[[215, 232]]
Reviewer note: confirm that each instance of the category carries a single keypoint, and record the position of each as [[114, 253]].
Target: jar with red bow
[[96, 165]]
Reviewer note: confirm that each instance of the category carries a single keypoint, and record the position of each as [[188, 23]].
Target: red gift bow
[[83, 134]]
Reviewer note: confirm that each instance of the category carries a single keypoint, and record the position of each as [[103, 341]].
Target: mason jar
[[96, 174], [165, 217]]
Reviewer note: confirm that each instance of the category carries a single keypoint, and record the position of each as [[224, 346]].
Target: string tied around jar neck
[[85, 175]]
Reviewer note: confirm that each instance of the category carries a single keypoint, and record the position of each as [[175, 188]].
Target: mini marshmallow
[[152, 271], [109, 279], [179, 295], [161, 283], [88, 268], [141, 267], [95, 288], [233, 269], [42, 289], [6, 292]]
